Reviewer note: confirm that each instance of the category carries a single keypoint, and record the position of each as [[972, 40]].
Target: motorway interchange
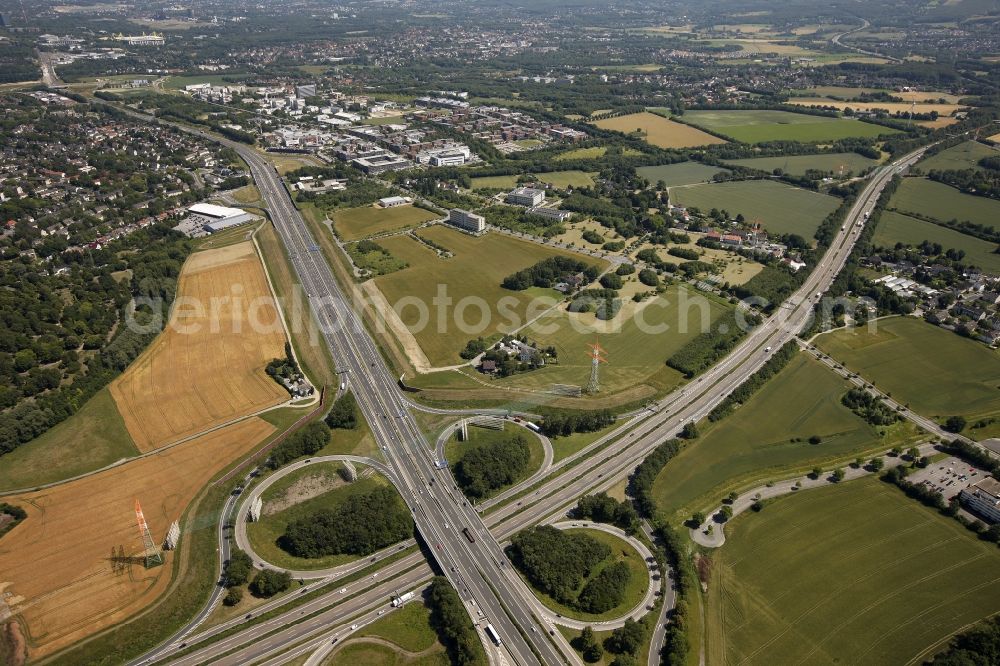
[[478, 569]]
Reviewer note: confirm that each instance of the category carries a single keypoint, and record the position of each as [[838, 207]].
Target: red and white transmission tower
[[596, 359], [151, 550]]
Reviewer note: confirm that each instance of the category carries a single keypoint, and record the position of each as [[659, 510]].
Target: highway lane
[[664, 407], [436, 508]]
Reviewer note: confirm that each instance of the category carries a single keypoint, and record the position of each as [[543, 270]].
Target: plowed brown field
[[207, 367], [57, 564]]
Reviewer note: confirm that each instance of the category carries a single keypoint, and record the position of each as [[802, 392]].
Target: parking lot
[[948, 477]]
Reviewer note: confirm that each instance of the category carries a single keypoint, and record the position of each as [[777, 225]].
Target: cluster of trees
[[283, 368], [269, 582], [604, 303], [519, 219], [17, 513], [641, 482], [548, 272], [592, 236], [491, 466], [453, 625], [557, 423], [675, 644], [605, 590], [983, 183], [754, 382], [603, 509], [357, 193], [708, 347], [684, 253], [870, 408], [360, 525], [343, 414], [303, 442], [61, 336], [623, 642], [370, 256], [979, 646], [556, 562], [650, 257], [773, 285]]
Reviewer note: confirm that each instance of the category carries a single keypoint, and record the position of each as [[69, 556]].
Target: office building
[[463, 219], [526, 196]]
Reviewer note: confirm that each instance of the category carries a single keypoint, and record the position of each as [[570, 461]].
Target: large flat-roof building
[[381, 162], [214, 218], [551, 213], [526, 196], [983, 499], [463, 219]]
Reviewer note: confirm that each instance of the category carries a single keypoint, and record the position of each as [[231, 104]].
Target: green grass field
[[455, 450], [935, 371], [854, 573], [90, 439], [659, 131], [564, 179], [682, 173], [937, 200], [408, 627], [621, 551], [897, 228], [637, 348], [365, 653], [780, 208], [797, 165], [477, 269], [263, 534], [754, 442], [355, 223], [591, 153], [497, 182], [760, 126], [963, 156]]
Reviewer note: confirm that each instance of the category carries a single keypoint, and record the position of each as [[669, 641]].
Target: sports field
[[760, 126], [754, 443], [475, 272], [636, 341], [354, 223], [797, 165], [659, 131], [299, 495], [854, 573], [58, 562], [780, 208], [935, 371], [207, 367], [963, 156], [682, 173], [897, 228], [942, 202]]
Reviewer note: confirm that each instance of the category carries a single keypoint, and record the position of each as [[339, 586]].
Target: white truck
[[402, 599]]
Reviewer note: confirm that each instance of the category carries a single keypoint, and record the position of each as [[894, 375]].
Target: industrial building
[[463, 219], [141, 40], [381, 162], [983, 499], [214, 218], [526, 196], [392, 202]]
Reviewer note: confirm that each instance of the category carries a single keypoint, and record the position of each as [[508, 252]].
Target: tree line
[[547, 272], [453, 626], [559, 423]]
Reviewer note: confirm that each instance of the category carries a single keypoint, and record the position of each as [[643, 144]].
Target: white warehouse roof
[[211, 210]]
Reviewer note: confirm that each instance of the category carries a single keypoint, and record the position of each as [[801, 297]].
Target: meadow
[[90, 439], [681, 173], [560, 179], [295, 496], [942, 202], [898, 228], [355, 223], [760, 126], [659, 131], [780, 208], [591, 153], [477, 268], [963, 156], [936, 372], [757, 441], [846, 93], [636, 358], [797, 165], [851, 573], [891, 107]]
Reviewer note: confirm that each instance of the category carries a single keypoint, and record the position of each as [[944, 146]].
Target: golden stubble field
[[207, 367], [57, 566]]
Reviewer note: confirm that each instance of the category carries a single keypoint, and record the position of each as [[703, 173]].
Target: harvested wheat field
[[57, 564], [207, 367]]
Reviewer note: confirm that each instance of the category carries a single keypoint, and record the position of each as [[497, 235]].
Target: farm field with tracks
[[760, 126], [659, 131]]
